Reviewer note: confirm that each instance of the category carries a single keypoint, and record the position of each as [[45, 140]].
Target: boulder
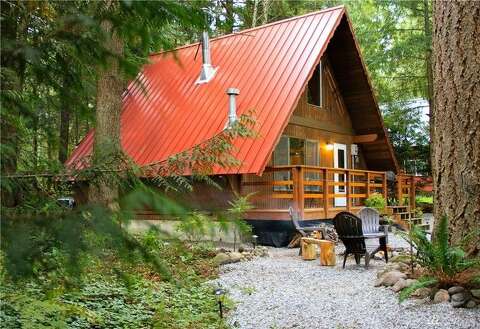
[[399, 285], [221, 258], [441, 296], [475, 293], [235, 257], [460, 299], [470, 304], [455, 290], [422, 292], [400, 259], [390, 278], [410, 282]]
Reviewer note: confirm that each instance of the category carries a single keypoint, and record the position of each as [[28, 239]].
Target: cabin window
[[281, 157], [315, 87], [312, 158], [296, 151]]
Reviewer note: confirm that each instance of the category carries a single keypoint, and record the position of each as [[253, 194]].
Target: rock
[[390, 278], [470, 304], [441, 296], [399, 285], [235, 257], [410, 282], [433, 292], [241, 249], [422, 292], [475, 293], [455, 290], [400, 259], [221, 258], [460, 299], [226, 258]]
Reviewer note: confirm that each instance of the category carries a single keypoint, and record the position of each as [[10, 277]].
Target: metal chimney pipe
[[232, 107], [206, 49], [208, 71]]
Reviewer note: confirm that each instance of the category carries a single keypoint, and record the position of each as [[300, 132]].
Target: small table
[[327, 251]]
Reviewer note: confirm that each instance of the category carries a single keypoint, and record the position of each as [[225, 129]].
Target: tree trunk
[[63, 135], [64, 126], [428, 64], [456, 133], [106, 147]]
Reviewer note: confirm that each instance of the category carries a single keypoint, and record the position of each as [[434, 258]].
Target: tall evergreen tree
[[456, 131]]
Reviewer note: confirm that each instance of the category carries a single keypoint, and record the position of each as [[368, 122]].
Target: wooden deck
[[315, 192]]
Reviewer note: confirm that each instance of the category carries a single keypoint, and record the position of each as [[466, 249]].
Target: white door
[[340, 161]]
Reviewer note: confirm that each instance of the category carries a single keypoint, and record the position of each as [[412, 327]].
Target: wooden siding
[[330, 123]]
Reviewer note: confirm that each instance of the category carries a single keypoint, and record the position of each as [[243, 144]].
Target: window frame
[[320, 87]]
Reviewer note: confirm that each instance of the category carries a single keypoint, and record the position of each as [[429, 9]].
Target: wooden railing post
[[368, 185], [347, 187], [325, 192], [412, 193], [294, 172], [384, 186], [399, 190], [301, 191]]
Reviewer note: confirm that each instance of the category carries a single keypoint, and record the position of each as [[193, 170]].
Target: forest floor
[[283, 291]]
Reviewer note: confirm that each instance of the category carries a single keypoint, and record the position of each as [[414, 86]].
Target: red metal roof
[[270, 65]]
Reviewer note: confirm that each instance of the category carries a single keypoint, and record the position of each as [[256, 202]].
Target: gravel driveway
[[283, 291]]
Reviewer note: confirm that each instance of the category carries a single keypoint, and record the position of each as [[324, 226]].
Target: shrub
[[105, 300], [442, 263], [376, 201]]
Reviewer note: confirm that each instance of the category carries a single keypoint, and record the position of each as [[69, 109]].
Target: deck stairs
[[405, 217]]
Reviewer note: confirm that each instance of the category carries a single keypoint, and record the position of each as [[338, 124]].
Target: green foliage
[[104, 301], [376, 201], [424, 199], [197, 226], [422, 283], [438, 258]]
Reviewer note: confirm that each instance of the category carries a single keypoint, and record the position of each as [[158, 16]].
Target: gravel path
[[282, 291]]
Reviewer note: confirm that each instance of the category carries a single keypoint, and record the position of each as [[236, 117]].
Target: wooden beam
[[321, 125], [359, 139]]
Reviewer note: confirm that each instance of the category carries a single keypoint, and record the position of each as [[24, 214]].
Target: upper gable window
[[315, 87]]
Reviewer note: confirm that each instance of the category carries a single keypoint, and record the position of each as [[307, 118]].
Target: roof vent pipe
[[208, 71], [232, 107]]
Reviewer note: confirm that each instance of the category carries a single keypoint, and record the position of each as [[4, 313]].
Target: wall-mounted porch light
[[329, 146]]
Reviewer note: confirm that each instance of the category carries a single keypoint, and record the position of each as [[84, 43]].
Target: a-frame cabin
[[322, 145]]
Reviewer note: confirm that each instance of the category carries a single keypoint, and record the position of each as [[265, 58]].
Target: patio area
[[284, 291]]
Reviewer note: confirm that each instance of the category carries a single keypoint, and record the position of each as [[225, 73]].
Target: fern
[[422, 283], [441, 260]]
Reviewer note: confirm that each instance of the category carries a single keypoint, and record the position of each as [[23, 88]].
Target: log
[[295, 241], [327, 250], [309, 250], [327, 253]]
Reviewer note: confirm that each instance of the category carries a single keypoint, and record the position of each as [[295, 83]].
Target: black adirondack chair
[[350, 230], [304, 230]]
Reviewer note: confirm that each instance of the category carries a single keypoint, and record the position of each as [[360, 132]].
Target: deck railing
[[315, 192]]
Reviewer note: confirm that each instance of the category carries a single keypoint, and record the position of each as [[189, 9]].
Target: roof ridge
[[251, 29]]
